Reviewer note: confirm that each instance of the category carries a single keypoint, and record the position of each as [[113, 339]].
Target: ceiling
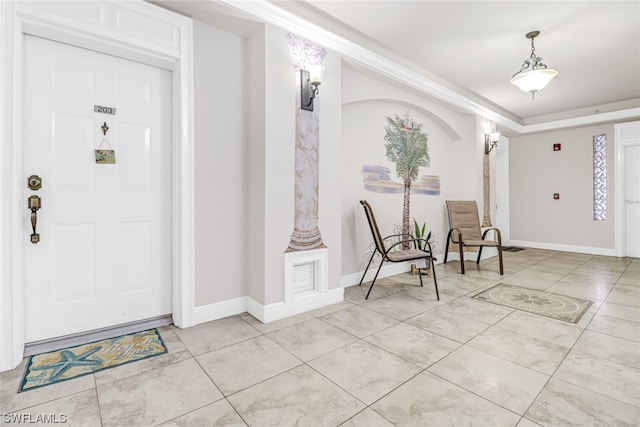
[[478, 46], [474, 47]]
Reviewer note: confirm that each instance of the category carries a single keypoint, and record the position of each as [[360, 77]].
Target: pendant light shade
[[534, 75], [532, 81]]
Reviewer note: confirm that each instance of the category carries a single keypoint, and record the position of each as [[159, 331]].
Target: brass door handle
[[34, 203]]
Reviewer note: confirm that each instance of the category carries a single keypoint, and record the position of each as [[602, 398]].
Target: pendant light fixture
[[534, 75]]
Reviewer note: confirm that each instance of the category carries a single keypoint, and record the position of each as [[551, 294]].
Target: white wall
[[536, 172], [454, 150], [255, 71], [279, 177], [331, 157], [220, 165]]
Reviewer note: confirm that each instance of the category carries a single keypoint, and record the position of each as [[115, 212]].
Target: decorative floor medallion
[[61, 365], [561, 307]]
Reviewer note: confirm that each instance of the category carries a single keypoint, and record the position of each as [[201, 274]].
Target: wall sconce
[[490, 141], [309, 82]]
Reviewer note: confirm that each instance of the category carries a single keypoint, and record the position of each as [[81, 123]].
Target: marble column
[[306, 234], [486, 188]]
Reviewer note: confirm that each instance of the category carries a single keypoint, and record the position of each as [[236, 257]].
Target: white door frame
[[619, 183], [133, 30]]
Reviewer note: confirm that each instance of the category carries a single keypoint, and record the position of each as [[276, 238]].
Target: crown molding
[[275, 15], [592, 119]]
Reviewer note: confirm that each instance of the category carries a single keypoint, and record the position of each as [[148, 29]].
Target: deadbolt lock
[[34, 182]]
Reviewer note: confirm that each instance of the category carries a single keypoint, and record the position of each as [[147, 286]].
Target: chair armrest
[[401, 234], [459, 235], [498, 234], [409, 241], [400, 243]]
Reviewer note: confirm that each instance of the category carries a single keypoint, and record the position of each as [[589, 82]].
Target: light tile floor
[[402, 358]]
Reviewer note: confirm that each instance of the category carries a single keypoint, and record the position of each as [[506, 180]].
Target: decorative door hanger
[[108, 155]]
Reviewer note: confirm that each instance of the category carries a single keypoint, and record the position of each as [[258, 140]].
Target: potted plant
[[424, 236]]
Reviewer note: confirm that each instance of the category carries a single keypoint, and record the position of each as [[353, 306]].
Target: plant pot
[[423, 271]]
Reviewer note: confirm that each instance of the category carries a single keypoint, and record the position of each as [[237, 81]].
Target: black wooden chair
[[393, 254]]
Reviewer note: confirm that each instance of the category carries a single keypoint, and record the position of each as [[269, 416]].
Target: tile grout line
[[95, 391], [363, 340], [571, 349]]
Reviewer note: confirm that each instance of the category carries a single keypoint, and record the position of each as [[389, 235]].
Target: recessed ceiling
[[477, 46], [474, 47]]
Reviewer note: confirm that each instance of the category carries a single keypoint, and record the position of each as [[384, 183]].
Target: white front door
[[104, 255], [632, 200]]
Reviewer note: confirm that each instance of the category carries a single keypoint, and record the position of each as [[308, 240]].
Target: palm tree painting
[[406, 146]]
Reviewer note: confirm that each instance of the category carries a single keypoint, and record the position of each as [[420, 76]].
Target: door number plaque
[[104, 110]]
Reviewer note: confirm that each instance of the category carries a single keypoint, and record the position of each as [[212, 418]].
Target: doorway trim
[[619, 181], [134, 30]]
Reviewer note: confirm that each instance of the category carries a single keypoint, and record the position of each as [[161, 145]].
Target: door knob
[[34, 203]]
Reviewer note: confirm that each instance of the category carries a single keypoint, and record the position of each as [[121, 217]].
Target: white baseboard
[[219, 310], [269, 313], [281, 310], [565, 248], [391, 269]]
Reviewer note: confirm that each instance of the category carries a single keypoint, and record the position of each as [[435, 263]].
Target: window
[[600, 177]]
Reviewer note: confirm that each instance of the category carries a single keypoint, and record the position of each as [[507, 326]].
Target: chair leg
[[366, 269], [479, 254], [461, 257], [446, 248], [374, 279], [420, 275], [435, 281], [500, 259]]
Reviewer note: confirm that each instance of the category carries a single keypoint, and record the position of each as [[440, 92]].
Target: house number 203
[[104, 110]]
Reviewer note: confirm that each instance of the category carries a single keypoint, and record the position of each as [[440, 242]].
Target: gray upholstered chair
[[393, 254], [464, 224]]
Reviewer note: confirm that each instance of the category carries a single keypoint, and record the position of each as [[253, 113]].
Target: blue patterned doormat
[[560, 307], [62, 365]]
